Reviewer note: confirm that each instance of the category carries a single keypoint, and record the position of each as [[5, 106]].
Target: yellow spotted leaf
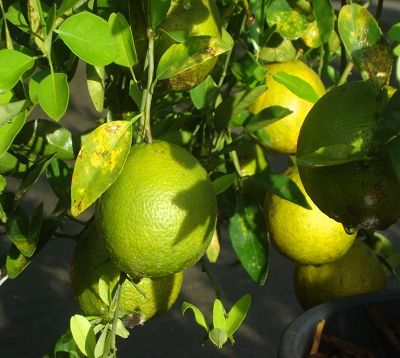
[[99, 162]]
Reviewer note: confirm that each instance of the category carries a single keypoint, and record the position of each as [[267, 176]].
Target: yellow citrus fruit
[[200, 18], [90, 261], [363, 193], [284, 132], [302, 235], [159, 215], [358, 271]]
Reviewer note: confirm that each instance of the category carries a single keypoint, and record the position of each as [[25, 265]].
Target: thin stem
[[379, 11], [210, 275], [346, 72]]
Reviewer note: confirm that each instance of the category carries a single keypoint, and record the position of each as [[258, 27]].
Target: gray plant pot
[[345, 318]]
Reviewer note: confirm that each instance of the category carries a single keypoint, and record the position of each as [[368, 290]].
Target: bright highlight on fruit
[[160, 214]]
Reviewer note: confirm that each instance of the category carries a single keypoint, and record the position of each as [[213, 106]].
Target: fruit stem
[[206, 269], [148, 88]]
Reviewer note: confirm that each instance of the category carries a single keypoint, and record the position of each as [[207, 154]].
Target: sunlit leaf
[[82, 331], [218, 337], [104, 289], [95, 77], [249, 236], [9, 110], [219, 315], [158, 11], [237, 314], [197, 314], [223, 182], [99, 162], [266, 117], [53, 95], [34, 84], [91, 38], [9, 130]]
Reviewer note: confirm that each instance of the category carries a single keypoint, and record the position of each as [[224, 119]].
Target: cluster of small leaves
[[224, 325]]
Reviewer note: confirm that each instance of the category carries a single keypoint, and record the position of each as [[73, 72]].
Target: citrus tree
[[194, 94]]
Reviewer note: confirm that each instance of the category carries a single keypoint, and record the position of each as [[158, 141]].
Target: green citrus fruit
[[302, 235], [90, 261], [284, 133], [359, 194], [358, 271], [159, 215], [201, 18]]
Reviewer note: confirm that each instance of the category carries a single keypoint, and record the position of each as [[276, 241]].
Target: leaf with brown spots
[[99, 162]]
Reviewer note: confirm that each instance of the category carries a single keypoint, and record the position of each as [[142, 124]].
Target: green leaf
[[290, 22], [229, 108], [100, 345], [31, 177], [65, 343], [99, 162], [332, 155], [158, 11], [59, 175], [394, 32], [179, 36], [53, 95], [218, 337], [121, 330], [105, 289], [203, 94], [325, 18], [198, 315], [9, 110], [14, 15], [95, 77], [34, 84], [365, 43], [297, 85], [249, 236], [197, 49], [3, 184], [122, 31], [9, 130], [237, 314], [266, 117], [13, 64], [91, 38], [24, 231], [68, 7], [388, 125], [44, 137], [219, 315], [394, 154], [82, 331], [278, 50], [14, 164], [223, 182], [282, 186]]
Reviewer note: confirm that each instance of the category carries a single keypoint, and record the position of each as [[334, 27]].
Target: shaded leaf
[[105, 289], [332, 155], [179, 36], [99, 162], [365, 43], [158, 11], [68, 7], [233, 105], [388, 125], [100, 345], [24, 231], [223, 182], [249, 236], [237, 314], [203, 94], [13, 64], [297, 85], [9, 130], [218, 337], [91, 38], [266, 117], [197, 49], [34, 84], [122, 31], [83, 333], [59, 175], [44, 137], [53, 95], [197, 314], [31, 176], [282, 186]]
